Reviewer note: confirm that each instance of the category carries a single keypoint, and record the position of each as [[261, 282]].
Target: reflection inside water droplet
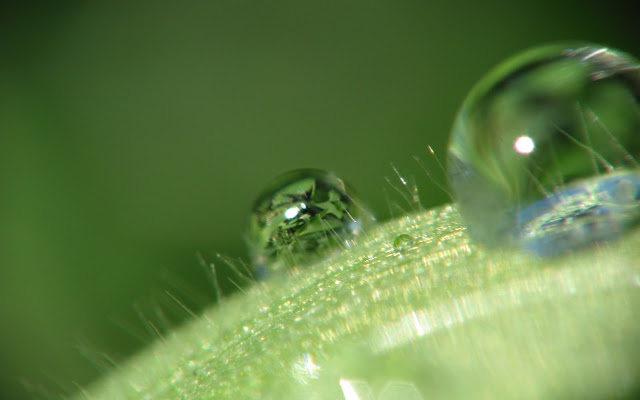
[[301, 214], [544, 151]]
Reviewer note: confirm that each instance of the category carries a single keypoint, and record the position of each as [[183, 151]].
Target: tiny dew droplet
[[544, 151], [403, 242], [299, 215]]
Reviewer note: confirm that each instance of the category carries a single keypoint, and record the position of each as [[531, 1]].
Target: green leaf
[[441, 319]]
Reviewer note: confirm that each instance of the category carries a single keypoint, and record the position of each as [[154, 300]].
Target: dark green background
[[133, 135]]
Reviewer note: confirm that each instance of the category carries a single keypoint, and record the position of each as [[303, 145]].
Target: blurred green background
[[135, 134]]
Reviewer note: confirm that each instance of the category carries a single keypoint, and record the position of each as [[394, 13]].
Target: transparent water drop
[[544, 151], [301, 214], [403, 242]]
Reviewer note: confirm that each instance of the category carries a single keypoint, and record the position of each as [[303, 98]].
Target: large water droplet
[[544, 151], [301, 214]]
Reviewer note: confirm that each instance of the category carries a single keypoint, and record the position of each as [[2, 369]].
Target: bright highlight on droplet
[[291, 212], [524, 145], [544, 151], [300, 215]]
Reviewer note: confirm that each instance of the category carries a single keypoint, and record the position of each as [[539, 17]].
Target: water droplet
[[403, 242], [301, 214], [544, 151]]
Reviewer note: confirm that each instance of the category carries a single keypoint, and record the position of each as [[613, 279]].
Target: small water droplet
[[544, 151], [301, 214], [403, 242]]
